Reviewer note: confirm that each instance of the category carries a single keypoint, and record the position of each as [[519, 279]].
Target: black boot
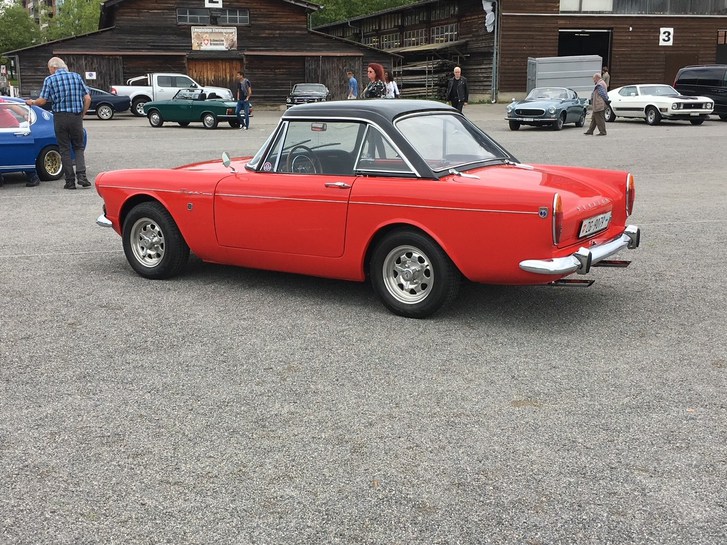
[[33, 179]]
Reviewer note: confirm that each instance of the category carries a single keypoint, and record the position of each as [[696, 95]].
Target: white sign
[[666, 36], [90, 75], [213, 3]]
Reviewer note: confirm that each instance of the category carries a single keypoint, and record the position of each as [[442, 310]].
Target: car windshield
[[446, 141], [188, 94], [309, 88], [658, 90], [547, 93]]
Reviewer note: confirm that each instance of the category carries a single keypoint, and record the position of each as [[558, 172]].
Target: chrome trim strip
[[103, 221], [452, 208], [579, 261]]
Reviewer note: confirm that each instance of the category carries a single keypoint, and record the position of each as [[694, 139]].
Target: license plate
[[528, 119], [694, 113], [594, 224]]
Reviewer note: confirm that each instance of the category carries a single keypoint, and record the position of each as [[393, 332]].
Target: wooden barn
[[268, 39], [492, 41]]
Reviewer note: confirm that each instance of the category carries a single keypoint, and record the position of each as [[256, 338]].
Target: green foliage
[[17, 29], [75, 17], [339, 10]]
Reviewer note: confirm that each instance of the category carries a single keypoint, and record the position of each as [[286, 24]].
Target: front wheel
[[412, 275], [653, 117], [558, 124], [609, 115], [105, 112], [49, 164], [514, 125], [155, 118], [209, 121], [153, 245]]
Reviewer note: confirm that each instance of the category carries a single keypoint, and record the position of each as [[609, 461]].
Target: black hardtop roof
[[367, 109]]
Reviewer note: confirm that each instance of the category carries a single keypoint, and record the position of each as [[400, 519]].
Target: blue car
[[28, 140], [548, 107]]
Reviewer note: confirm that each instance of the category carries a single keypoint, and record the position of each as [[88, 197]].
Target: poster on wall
[[207, 38]]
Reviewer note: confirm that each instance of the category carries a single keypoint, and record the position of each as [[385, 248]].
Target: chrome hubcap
[[408, 274], [147, 242]]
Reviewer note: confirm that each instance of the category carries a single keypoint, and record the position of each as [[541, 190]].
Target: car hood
[[545, 104]]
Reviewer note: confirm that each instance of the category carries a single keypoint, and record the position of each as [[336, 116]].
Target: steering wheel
[[302, 160]]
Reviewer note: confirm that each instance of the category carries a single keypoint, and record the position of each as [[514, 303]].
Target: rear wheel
[[155, 118], [608, 113], [559, 122], [653, 117], [153, 245], [412, 275], [105, 112], [49, 164], [137, 106], [514, 125], [234, 124], [209, 121]]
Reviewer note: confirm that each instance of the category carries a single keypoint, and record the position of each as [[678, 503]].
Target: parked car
[[28, 140], [548, 107], [408, 193], [190, 106], [655, 102], [303, 93], [105, 104], [708, 81], [161, 86]]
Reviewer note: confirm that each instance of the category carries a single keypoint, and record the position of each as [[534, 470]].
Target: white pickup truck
[[161, 86]]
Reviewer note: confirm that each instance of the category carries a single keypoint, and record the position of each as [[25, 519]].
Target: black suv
[[707, 81], [307, 92]]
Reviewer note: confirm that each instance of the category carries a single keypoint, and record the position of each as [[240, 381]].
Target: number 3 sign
[[666, 36]]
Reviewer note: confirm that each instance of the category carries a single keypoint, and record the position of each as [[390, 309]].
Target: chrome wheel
[[155, 118], [147, 242], [105, 112], [408, 274], [49, 164], [653, 117], [209, 121]]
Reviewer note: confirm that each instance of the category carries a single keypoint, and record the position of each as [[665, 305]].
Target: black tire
[[514, 125], [558, 124], [581, 120], [608, 113], [209, 120], [183, 123], [105, 112], [697, 121], [153, 245], [234, 124], [49, 164], [155, 118], [412, 275], [137, 106], [723, 117], [653, 117]]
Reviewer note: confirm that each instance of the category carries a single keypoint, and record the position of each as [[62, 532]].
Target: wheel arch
[[133, 201]]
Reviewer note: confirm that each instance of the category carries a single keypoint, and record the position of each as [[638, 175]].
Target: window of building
[[390, 41], [372, 41], [415, 37], [234, 17], [188, 16], [444, 33]]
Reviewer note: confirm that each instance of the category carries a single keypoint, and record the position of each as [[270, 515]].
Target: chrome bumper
[[582, 260], [103, 221]]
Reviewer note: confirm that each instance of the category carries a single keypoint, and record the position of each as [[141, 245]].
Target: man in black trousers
[[457, 92]]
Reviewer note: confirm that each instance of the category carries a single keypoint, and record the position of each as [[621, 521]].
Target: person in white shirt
[[392, 89]]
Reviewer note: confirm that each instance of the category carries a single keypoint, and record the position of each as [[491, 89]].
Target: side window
[[14, 116], [629, 91], [315, 147], [164, 81], [183, 81], [378, 155]]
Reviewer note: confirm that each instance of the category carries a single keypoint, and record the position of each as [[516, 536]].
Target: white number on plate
[[595, 224]]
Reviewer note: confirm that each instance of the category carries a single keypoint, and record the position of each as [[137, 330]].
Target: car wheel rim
[[105, 112], [408, 274], [154, 118], [147, 242], [208, 121], [52, 163]]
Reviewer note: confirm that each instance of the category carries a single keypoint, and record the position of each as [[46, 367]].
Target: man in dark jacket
[[457, 92]]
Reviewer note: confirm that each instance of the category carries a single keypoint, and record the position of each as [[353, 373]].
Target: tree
[[75, 17], [17, 29], [339, 10]]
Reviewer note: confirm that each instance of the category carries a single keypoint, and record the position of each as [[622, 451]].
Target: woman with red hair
[[376, 87]]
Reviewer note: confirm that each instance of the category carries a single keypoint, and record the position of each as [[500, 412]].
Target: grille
[[693, 106], [529, 112]]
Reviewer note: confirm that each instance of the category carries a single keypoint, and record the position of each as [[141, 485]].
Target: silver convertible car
[[656, 102], [548, 106]]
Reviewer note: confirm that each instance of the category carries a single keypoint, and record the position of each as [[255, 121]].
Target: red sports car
[[407, 193]]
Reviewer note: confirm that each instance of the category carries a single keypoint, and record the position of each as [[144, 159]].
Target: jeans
[[69, 133], [243, 106]]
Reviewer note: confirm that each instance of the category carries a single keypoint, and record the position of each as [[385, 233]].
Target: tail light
[[557, 219], [630, 194]]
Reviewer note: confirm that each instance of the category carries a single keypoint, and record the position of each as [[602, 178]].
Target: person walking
[[71, 100], [606, 77], [244, 92], [352, 85], [392, 89], [376, 87], [599, 100], [457, 91]]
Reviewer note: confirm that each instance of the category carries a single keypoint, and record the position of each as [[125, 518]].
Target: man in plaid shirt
[[71, 100]]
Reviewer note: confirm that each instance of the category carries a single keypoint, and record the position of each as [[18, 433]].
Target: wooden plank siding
[[636, 56]]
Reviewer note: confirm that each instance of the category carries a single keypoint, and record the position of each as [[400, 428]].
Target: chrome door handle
[[339, 185]]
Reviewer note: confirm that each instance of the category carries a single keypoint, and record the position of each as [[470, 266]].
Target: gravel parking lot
[[233, 406]]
